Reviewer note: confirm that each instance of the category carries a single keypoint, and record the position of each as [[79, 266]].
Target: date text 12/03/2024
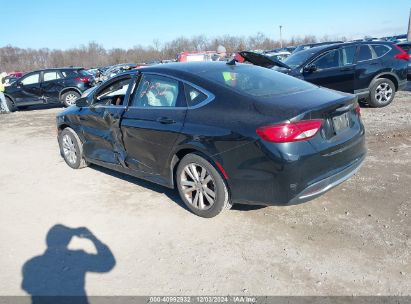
[[203, 299]]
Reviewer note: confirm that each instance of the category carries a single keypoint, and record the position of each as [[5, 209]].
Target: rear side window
[[364, 53], [69, 73], [194, 96], [380, 49]]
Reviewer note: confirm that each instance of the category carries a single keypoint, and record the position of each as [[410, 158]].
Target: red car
[[196, 56]]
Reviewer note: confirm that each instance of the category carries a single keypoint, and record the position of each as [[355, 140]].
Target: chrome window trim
[[210, 96]]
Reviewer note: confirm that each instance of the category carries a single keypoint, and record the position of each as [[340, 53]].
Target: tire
[[200, 200], [69, 98], [382, 93], [71, 149], [10, 104]]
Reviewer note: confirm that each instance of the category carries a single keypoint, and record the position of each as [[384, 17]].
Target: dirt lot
[[355, 240]]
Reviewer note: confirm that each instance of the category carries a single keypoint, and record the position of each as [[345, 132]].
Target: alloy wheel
[[69, 149], [71, 99], [383, 93], [198, 186]]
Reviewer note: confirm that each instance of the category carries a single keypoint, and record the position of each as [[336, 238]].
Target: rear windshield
[[256, 81]]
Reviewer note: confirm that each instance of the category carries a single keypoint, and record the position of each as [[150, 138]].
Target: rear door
[[334, 69], [29, 89], [51, 85], [367, 67], [152, 122]]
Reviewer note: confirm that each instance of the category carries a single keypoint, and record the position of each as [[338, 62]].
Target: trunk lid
[[341, 122], [262, 60]]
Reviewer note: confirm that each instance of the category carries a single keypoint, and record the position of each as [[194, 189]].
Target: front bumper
[[320, 187]]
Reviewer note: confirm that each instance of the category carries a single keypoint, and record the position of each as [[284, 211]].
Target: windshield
[[256, 81], [297, 59]]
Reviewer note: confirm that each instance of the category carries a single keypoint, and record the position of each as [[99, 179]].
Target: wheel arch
[[388, 75], [183, 151], [67, 89]]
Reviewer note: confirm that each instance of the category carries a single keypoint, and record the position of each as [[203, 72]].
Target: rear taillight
[[82, 79], [402, 55], [289, 132], [358, 109]]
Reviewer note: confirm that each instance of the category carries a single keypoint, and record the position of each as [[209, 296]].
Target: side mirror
[[82, 102], [310, 68], [19, 84]]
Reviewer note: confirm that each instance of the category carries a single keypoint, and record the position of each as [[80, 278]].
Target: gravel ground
[[355, 240]]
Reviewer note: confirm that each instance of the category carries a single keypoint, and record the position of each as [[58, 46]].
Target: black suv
[[373, 70], [49, 86]]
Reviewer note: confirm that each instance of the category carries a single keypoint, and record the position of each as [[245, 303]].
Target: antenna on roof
[[231, 62]]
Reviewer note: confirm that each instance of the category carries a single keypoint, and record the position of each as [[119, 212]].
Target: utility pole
[[281, 37], [409, 28]]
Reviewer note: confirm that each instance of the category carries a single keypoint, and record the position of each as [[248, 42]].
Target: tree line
[[95, 55]]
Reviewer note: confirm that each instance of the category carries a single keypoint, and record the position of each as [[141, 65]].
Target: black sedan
[[221, 133]]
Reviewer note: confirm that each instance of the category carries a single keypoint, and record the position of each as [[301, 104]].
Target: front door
[[101, 121], [334, 70], [152, 123], [29, 90]]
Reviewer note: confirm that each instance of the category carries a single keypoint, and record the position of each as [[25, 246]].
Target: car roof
[[192, 68], [335, 45], [57, 69]]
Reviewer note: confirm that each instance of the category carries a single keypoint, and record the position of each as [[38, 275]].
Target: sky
[[126, 23]]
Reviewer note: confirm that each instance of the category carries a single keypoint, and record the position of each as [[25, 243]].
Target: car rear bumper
[[402, 84], [320, 187]]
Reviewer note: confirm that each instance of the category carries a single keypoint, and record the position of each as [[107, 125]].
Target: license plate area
[[341, 123]]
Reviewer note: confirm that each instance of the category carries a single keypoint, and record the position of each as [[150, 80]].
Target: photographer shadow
[[58, 275]]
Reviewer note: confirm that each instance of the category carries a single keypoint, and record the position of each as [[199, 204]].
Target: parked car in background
[[406, 46], [221, 133], [307, 46], [280, 55], [49, 86], [373, 71], [116, 69]]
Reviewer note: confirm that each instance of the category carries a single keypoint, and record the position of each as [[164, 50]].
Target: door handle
[[346, 69], [165, 120]]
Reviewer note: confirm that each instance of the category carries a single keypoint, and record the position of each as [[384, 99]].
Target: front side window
[[48, 76], [31, 79], [364, 53], [156, 91], [114, 93], [328, 60]]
